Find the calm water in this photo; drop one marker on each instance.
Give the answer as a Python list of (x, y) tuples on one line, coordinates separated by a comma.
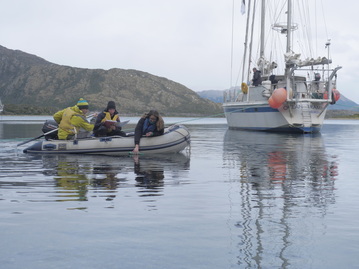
[(233, 200)]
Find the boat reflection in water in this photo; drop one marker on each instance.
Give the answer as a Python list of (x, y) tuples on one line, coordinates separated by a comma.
[(282, 185), (83, 177)]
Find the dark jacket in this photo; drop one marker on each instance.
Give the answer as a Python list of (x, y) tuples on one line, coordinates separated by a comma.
[(101, 129), (257, 80), (139, 127), (100, 119)]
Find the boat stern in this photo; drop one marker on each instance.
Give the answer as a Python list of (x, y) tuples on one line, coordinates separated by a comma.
[(37, 147)]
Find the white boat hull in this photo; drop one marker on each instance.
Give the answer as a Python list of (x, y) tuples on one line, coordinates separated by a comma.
[(306, 117), (175, 139)]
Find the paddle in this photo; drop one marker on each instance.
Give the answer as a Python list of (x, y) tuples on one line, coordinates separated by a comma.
[(25, 142), (22, 143)]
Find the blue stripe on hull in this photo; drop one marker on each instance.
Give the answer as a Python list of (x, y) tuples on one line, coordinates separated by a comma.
[(249, 109), (282, 129)]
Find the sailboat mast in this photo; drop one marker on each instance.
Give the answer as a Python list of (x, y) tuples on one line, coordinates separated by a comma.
[(289, 25), (251, 42), (246, 42), (289, 35), (261, 68)]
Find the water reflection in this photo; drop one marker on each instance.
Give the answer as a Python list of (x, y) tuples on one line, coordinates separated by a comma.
[(106, 177), (281, 178), (149, 177), (80, 177)]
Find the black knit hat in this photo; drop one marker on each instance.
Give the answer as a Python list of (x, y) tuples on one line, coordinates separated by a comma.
[(111, 104)]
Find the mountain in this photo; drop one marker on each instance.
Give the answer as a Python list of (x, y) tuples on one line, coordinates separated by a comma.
[(31, 85), (213, 95), (343, 104)]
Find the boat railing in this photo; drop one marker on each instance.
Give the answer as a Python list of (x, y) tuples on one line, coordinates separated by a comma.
[(231, 95), (302, 90), (311, 90), (317, 89)]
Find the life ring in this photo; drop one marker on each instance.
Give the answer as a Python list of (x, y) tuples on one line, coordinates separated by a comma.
[(244, 87)]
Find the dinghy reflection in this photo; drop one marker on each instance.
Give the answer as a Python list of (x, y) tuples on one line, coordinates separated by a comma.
[(277, 179), (75, 176), (80, 178)]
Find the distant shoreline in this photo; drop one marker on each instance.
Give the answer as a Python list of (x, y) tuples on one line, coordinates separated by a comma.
[(18, 119), (41, 118)]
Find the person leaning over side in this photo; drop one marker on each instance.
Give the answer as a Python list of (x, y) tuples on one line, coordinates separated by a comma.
[(109, 114), (150, 124), (72, 121)]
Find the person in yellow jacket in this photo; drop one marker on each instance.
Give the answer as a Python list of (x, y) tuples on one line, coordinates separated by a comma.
[(72, 121)]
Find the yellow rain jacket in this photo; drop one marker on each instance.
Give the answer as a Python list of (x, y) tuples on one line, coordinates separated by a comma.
[(70, 121)]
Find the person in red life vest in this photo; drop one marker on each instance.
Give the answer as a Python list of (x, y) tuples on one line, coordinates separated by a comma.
[(106, 122), (150, 124)]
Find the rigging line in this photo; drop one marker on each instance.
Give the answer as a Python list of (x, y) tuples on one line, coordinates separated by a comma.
[(325, 22), (251, 42), (309, 34), (304, 33), (232, 41), (304, 47), (279, 9), (215, 115), (194, 119), (268, 30), (316, 28)]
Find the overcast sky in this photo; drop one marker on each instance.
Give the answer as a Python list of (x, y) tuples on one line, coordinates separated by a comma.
[(187, 41)]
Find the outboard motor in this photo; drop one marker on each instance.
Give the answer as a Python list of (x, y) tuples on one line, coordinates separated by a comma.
[(50, 125)]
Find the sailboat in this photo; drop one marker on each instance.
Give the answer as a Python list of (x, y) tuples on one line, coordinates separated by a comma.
[(294, 100)]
